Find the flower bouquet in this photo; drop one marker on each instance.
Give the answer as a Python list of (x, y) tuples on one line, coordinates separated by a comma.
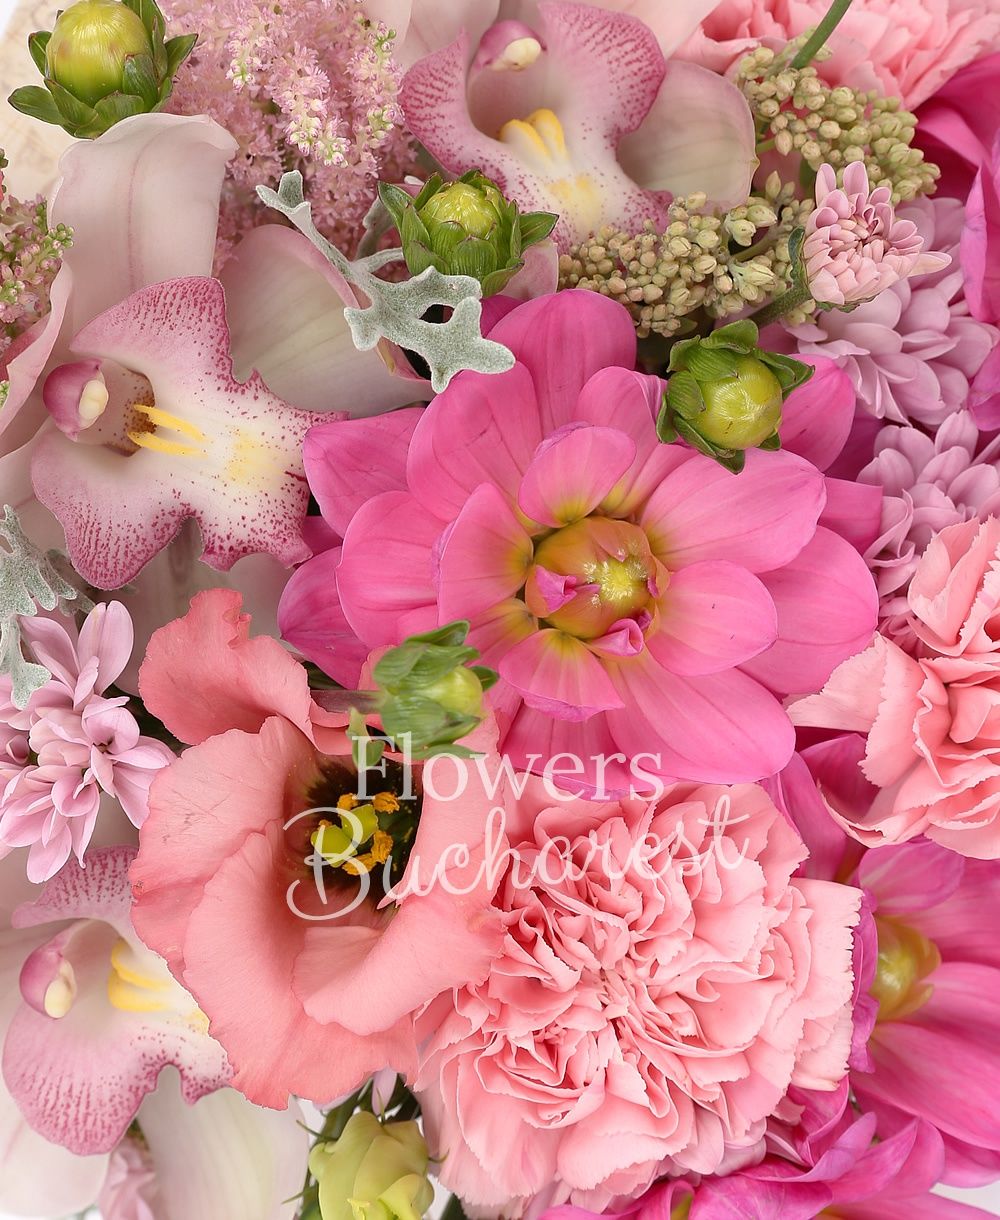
[(500, 611)]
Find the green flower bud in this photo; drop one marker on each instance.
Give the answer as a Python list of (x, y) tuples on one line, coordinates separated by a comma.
[(464, 228), (725, 394), (90, 44), (461, 692), (104, 61), (374, 1171), (741, 412)]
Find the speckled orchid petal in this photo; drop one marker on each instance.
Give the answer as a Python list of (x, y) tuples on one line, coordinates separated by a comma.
[(547, 127), (197, 444)]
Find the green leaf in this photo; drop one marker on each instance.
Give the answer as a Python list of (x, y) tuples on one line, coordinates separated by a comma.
[(37, 103), (800, 276), (665, 429), (178, 49), (419, 257), (474, 257), (70, 107), (684, 396), (790, 373), (395, 201), (536, 226), (430, 188), (413, 230), (711, 364), (487, 677), (139, 79), (117, 106), (772, 444), (37, 43), (737, 336)]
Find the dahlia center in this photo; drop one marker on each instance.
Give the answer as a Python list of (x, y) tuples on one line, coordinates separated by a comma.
[(905, 959), (592, 574)]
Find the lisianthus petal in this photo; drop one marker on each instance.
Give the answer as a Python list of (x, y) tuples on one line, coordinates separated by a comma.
[(223, 1156), (556, 673), (771, 511), (285, 304), (485, 557), (385, 568), (713, 615), (698, 136), (311, 619), (912, 877), (349, 461), (717, 728), (827, 610), (203, 674), (480, 430), (818, 416), (545, 334), (572, 471)]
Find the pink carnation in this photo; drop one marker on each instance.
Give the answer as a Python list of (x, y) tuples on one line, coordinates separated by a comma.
[(913, 351), (83, 745), (664, 981), (906, 49), (634, 596), (933, 748), (855, 245)]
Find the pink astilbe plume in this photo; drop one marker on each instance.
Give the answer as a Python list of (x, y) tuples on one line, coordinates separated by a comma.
[(310, 86)]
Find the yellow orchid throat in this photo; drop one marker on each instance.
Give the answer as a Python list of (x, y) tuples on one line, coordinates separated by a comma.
[(539, 141), (132, 988), (147, 434)]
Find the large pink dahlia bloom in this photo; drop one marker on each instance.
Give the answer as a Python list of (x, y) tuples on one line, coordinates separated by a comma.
[(663, 982), (635, 597)]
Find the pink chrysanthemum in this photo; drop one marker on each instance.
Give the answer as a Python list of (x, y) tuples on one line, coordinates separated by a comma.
[(664, 980), (72, 743), (855, 245), (912, 351)]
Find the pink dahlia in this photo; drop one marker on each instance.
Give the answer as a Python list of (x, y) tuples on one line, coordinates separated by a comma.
[(928, 484), (635, 597), (664, 980), (855, 246), (913, 351), (933, 721), (225, 886), (72, 745)]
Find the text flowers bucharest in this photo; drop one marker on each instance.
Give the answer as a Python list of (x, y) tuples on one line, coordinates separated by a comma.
[(500, 610)]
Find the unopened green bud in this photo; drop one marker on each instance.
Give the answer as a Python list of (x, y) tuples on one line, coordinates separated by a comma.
[(464, 228), (741, 412), (461, 691), (90, 44), (374, 1171)]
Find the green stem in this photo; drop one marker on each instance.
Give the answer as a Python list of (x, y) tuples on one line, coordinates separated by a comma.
[(453, 1209), (365, 701), (792, 299), (822, 32), (759, 247)]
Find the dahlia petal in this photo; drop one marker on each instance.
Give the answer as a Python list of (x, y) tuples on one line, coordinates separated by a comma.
[(711, 149), (771, 512), (349, 461), (572, 471), (480, 430), (485, 557), (817, 417), (713, 616), (285, 304), (854, 511), (912, 877), (385, 567), (827, 611), (229, 454), (715, 728), (557, 674), (311, 619), (203, 674)]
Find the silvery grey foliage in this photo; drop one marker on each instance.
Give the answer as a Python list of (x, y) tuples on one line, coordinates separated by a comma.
[(397, 310), (28, 580)]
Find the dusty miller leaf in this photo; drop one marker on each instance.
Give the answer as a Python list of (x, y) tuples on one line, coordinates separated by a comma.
[(397, 310), (28, 580)]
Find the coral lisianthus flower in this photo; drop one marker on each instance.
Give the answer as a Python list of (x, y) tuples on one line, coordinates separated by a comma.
[(634, 596), (224, 891), (663, 982)]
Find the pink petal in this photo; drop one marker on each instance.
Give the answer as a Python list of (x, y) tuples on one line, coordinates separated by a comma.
[(422, 27), (311, 618), (572, 471), (827, 611), (911, 878), (107, 636), (285, 304), (203, 674), (698, 136), (713, 616), (771, 510), (385, 569), (817, 417), (349, 461), (485, 557), (557, 674), (854, 511)]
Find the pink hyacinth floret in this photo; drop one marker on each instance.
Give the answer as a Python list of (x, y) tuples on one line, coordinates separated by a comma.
[(855, 246), (71, 745)]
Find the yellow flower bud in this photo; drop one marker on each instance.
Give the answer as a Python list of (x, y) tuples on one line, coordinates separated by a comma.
[(474, 208), (742, 411), (89, 46), (374, 1171)]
